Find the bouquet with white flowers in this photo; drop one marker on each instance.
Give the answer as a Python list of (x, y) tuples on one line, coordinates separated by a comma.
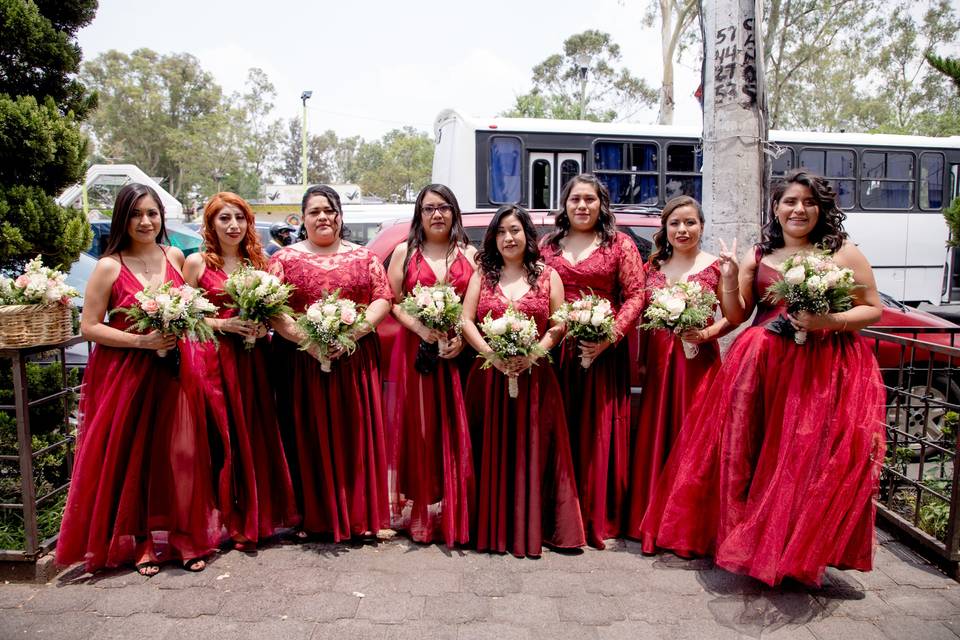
[(678, 307), (257, 295), (178, 311), (37, 285), (330, 322), (437, 307), (588, 318), (812, 282), (512, 334)]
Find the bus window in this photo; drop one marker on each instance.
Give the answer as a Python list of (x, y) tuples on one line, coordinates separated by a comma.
[(505, 164), (838, 166), (569, 169), (887, 180), (783, 162), (540, 198), (629, 170), (931, 181), (684, 162)]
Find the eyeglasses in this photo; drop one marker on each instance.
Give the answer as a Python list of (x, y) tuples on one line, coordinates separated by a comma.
[(442, 208)]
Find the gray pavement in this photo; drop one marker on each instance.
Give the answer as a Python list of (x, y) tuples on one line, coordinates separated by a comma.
[(399, 590)]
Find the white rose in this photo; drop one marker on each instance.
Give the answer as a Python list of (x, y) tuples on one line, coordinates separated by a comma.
[(438, 295), (329, 309), (597, 319), (814, 282), (423, 299), (674, 307), (795, 275), (498, 327), (583, 317), (314, 313), (832, 278)]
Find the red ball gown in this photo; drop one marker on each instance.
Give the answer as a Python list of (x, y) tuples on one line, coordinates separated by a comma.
[(669, 390), (778, 460), (336, 445), (527, 493), (597, 399), (255, 491), (142, 476), (431, 463)]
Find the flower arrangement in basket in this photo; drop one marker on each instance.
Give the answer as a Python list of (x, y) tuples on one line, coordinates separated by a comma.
[(589, 318), (678, 307), (512, 334), (35, 307), (257, 295), (437, 307), (812, 282), (172, 310), (331, 322)]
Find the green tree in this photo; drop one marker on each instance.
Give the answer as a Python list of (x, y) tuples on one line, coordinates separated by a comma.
[(262, 134), (397, 166), (321, 155), (675, 19), (605, 93), (949, 67)]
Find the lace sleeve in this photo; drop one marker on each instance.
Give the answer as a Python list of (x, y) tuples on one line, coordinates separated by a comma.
[(632, 279), (379, 283), (275, 266)]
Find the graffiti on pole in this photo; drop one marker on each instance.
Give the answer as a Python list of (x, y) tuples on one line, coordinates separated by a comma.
[(735, 65)]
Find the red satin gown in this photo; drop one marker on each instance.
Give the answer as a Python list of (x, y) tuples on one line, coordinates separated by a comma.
[(433, 486), (336, 446), (255, 491), (142, 476), (778, 460), (527, 493), (669, 389), (597, 399)]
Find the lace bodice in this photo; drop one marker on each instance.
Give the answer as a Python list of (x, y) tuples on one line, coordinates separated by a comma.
[(357, 273), (535, 302), (458, 273), (614, 272)]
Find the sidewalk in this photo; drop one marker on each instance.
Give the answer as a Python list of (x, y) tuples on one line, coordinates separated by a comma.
[(401, 590)]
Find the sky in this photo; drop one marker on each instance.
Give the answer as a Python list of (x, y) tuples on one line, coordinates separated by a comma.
[(378, 65)]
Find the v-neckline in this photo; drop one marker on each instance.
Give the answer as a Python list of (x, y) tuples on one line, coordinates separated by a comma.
[(436, 279), (145, 286), (583, 259), (514, 300), (688, 277)]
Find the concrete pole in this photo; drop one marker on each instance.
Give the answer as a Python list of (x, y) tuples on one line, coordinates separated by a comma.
[(734, 122)]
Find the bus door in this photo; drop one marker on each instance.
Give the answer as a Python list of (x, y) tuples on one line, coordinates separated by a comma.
[(953, 295), (549, 171)]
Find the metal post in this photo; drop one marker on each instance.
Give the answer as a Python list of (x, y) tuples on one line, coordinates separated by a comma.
[(28, 494), (304, 97)]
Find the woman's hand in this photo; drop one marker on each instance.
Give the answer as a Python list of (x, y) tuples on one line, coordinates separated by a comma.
[(427, 334), (729, 266), (695, 336), (592, 350), (245, 328), (518, 364), (453, 348), (812, 321), (157, 341), (498, 363)]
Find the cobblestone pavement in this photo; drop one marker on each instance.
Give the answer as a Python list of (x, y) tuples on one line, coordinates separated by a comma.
[(399, 590)]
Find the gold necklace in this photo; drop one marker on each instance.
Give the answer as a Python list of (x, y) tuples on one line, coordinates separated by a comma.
[(146, 268)]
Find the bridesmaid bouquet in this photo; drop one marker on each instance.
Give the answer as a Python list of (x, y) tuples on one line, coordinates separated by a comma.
[(257, 295), (811, 282), (678, 307), (512, 334), (438, 307), (331, 322), (178, 311), (37, 285), (588, 318)]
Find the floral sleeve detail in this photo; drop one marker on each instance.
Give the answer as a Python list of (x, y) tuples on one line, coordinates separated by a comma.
[(275, 266), (632, 280), (379, 284)]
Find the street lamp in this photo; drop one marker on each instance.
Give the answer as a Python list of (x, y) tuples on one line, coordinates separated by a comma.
[(582, 61), (304, 97)]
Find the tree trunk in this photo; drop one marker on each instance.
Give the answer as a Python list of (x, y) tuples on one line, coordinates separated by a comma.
[(666, 52)]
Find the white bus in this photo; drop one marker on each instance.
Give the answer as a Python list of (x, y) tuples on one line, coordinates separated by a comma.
[(893, 188)]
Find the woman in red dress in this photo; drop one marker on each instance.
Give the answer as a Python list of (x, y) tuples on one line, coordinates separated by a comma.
[(591, 256), (337, 430), (671, 378), (779, 457), (527, 493), (142, 474), (431, 461), (255, 492)]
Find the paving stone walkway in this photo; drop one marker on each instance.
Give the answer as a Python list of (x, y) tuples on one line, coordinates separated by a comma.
[(399, 590)]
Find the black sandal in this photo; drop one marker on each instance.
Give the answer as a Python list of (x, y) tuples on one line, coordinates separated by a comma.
[(192, 564), (147, 569)]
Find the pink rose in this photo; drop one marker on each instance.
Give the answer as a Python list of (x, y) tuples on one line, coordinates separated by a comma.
[(150, 306), (347, 316), (22, 281)]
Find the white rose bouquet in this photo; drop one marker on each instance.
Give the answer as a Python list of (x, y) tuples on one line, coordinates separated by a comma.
[(512, 334), (812, 282), (588, 318), (331, 322), (257, 295), (437, 307), (37, 285), (178, 311), (678, 307)]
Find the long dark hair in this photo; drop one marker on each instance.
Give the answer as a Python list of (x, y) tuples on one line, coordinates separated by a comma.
[(417, 235), (127, 199), (489, 259), (827, 234), (332, 197), (662, 249), (606, 226)]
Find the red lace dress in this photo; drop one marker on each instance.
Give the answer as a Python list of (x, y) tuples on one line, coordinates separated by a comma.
[(142, 475), (669, 390), (256, 495), (779, 457), (597, 399), (432, 463), (527, 493), (336, 443)]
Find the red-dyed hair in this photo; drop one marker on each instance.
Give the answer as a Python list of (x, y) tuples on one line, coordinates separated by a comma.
[(250, 249)]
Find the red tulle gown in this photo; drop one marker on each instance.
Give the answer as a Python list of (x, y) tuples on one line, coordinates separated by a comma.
[(527, 493), (142, 477), (255, 491), (669, 390), (336, 449), (597, 399), (778, 460), (432, 465)]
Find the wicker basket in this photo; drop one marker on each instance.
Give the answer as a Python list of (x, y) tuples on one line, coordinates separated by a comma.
[(26, 325)]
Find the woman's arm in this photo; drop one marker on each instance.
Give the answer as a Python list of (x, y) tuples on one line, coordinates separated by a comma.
[(470, 330), (554, 334), (395, 275)]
